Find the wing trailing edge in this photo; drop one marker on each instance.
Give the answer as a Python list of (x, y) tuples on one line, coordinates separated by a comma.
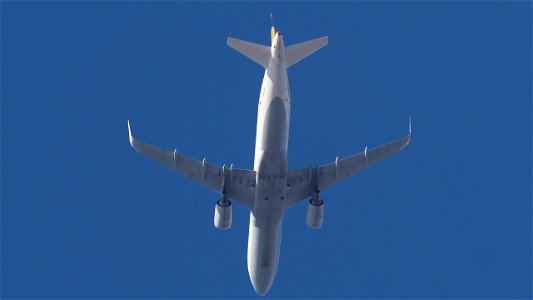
[(303, 182), (238, 184)]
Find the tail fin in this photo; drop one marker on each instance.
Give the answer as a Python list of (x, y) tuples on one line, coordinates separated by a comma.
[(272, 27), (258, 53), (299, 51)]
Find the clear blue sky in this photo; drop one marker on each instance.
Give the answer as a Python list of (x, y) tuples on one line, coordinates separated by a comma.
[(84, 215)]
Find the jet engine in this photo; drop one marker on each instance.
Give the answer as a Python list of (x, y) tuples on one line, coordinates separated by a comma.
[(315, 212), (222, 219)]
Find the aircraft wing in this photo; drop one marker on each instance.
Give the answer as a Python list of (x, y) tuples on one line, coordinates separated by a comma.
[(238, 184), (303, 182)]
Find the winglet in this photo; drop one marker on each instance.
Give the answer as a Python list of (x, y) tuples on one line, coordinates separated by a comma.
[(408, 137), (133, 142), (129, 133)]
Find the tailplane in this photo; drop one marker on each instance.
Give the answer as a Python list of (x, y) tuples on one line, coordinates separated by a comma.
[(299, 51), (256, 52), (261, 54)]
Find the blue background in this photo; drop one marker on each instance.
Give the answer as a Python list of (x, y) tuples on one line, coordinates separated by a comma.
[(84, 215)]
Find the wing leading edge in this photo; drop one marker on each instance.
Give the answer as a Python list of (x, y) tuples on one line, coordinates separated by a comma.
[(237, 184), (303, 182)]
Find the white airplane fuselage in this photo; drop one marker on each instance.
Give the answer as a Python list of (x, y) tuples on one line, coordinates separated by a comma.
[(270, 164)]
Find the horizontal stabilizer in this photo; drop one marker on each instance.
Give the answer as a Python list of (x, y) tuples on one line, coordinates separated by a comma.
[(256, 52), (299, 51)]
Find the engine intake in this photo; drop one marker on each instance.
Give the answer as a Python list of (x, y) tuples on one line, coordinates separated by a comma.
[(315, 212), (222, 219)]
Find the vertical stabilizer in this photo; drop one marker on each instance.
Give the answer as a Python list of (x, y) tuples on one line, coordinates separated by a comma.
[(272, 28)]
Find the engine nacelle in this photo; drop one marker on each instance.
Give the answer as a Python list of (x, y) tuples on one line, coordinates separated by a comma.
[(223, 215), (315, 214)]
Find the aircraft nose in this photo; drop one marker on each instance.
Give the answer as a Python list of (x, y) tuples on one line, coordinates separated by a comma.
[(262, 279), (261, 287)]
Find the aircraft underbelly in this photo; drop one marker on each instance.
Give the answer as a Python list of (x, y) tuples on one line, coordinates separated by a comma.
[(266, 215), (275, 127), (264, 242)]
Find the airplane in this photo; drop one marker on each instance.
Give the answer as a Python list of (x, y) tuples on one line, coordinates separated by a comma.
[(270, 188)]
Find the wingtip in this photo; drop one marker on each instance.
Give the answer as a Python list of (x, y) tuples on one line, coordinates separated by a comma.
[(229, 41), (129, 134), (409, 135)]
